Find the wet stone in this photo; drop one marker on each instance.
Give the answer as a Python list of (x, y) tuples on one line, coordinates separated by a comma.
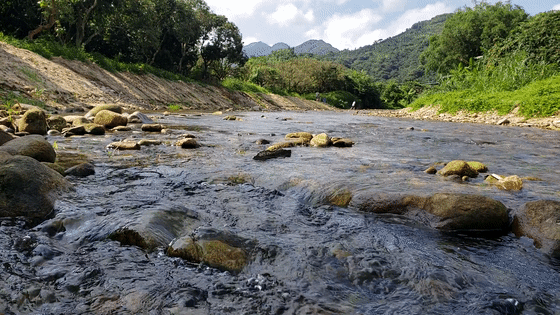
[(124, 145), (272, 154), (187, 143)]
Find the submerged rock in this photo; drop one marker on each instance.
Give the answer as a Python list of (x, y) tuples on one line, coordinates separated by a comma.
[(94, 129), (272, 154), (81, 170), (510, 183), (443, 211), (458, 167), (124, 145), (152, 127), (342, 142), (287, 144), (34, 146), (540, 220), (187, 143), (28, 188)]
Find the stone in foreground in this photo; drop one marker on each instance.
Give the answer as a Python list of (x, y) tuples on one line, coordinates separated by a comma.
[(540, 220)]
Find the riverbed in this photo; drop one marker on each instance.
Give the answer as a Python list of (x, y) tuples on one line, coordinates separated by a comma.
[(307, 256)]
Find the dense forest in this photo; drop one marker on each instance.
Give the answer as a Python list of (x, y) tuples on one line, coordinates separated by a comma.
[(181, 36), (395, 58)]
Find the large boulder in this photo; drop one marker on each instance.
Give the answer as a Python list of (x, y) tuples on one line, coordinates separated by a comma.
[(28, 188), (540, 220), (110, 107), (34, 121), (460, 168), (443, 211), (467, 212), (5, 137), (110, 119), (34, 146)]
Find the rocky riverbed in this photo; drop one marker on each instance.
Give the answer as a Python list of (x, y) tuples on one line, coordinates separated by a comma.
[(165, 213)]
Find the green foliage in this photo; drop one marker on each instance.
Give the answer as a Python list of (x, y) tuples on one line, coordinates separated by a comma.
[(235, 84), (396, 57), (8, 99), (339, 99), (469, 33), (174, 107), (540, 98)]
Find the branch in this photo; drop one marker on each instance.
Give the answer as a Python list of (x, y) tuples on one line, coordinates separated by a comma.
[(51, 23)]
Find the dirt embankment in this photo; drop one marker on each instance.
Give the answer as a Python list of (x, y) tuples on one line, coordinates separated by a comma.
[(73, 85)]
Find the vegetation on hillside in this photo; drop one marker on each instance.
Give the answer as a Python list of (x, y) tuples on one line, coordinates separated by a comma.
[(518, 70), (180, 36), (395, 58)]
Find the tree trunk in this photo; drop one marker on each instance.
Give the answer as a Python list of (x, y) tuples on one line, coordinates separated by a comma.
[(52, 20), (81, 25)]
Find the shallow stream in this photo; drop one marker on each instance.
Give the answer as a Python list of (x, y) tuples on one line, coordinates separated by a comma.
[(307, 256)]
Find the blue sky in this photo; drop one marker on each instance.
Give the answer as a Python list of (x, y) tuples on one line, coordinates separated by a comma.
[(345, 24)]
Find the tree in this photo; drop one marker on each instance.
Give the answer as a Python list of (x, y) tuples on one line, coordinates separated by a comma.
[(469, 33), (19, 17)]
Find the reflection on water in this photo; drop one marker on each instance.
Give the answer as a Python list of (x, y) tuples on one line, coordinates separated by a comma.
[(307, 257)]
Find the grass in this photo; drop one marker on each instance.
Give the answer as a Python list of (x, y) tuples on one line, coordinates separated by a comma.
[(49, 48), (235, 84), (481, 87), (8, 99), (174, 107)]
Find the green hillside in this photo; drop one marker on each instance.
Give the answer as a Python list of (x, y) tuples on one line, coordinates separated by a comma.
[(396, 57)]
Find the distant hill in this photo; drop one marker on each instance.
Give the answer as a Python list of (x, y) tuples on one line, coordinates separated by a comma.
[(396, 57), (314, 47)]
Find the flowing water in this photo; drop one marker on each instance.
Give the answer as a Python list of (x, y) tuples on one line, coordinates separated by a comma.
[(307, 256)]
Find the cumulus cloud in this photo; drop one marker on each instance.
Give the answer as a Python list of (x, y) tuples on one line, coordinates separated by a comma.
[(344, 31), (556, 7), (289, 14), (393, 5), (233, 9)]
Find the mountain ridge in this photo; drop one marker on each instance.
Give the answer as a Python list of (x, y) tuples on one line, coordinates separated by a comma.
[(313, 46)]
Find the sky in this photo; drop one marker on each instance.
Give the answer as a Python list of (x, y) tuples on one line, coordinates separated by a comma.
[(345, 24)]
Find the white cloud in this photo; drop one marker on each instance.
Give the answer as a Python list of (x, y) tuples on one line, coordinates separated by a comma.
[(416, 15), (232, 9), (394, 5), (289, 14), (346, 31), (556, 7)]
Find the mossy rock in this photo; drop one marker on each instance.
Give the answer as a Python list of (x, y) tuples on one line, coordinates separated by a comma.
[(110, 107), (460, 168), (94, 129), (287, 144), (321, 140), (56, 122), (300, 135), (110, 119), (34, 121), (214, 253), (477, 166), (510, 183), (340, 198)]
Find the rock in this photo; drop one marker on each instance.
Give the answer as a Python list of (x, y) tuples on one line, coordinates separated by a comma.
[(503, 121), (443, 211), (145, 142), (342, 142), (220, 250), (477, 166), (109, 107), (458, 167), (262, 141), (272, 154), (138, 117), (218, 113), (5, 137), (81, 170), (321, 140), (121, 128), (109, 119), (33, 146), (56, 122), (152, 127), (186, 136), (467, 212), (510, 183), (80, 121), (124, 145), (28, 188), (300, 135), (6, 129), (431, 170), (70, 118), (94, 129), (287, 144), (187, 143), (57, 168), (74, 131), (540, 220), (230, 117), (8, 122), (156, 227), (34, 122)]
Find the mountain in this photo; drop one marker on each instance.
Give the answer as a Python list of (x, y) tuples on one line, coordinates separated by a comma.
[(314, 47), (257, 49), (397, 57)]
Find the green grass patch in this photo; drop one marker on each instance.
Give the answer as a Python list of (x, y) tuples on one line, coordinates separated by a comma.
[(8, 99), (235, 84), (540, 98), (174, 107)]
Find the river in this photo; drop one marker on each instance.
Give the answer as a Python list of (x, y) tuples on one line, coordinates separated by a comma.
[(307, 256)]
